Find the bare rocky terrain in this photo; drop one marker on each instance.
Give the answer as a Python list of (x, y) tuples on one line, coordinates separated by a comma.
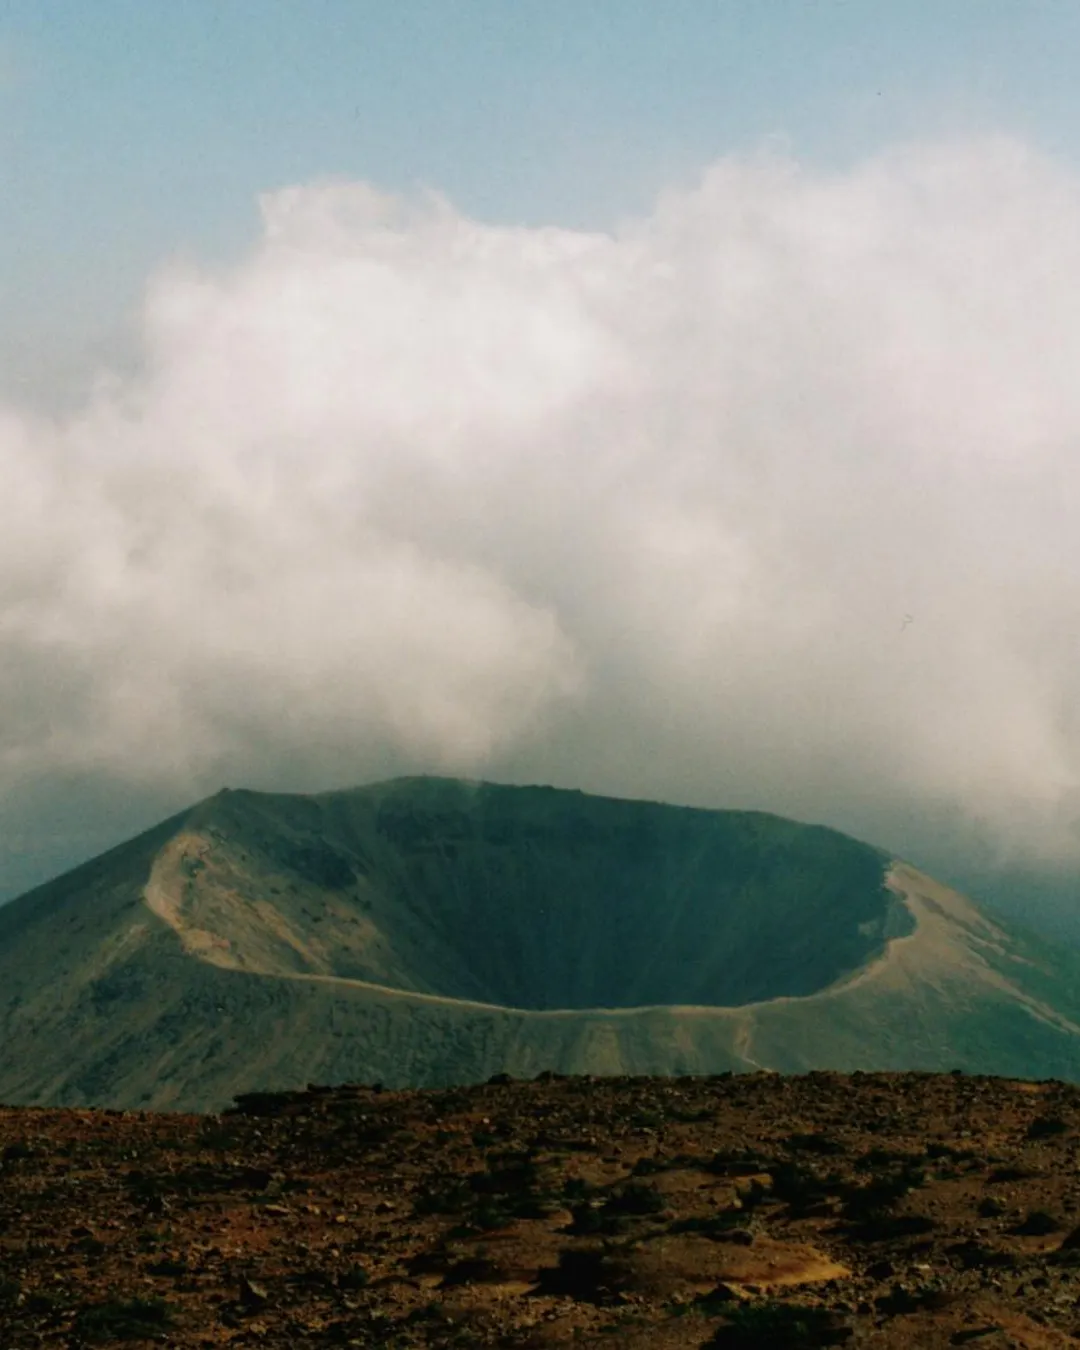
[(755, 1210)]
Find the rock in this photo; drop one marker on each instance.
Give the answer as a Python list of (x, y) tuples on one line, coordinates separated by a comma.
[(253, 1296)]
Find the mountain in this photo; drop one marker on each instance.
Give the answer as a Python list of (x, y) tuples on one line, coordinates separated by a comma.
[(433, 931)]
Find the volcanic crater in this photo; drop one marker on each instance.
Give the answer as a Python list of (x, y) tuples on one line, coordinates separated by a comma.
[(427, 931), (533, 898)]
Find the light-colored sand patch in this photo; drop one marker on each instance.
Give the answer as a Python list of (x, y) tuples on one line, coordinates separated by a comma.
[(700, 1263), (165, 895), (952, 932), (188, 890)]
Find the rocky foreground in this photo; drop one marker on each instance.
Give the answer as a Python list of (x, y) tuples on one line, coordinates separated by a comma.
[(746, 1211)]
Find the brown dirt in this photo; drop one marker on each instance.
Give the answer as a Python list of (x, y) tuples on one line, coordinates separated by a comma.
[(876, 1210)]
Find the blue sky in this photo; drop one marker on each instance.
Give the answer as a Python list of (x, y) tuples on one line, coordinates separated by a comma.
[(131, 130)]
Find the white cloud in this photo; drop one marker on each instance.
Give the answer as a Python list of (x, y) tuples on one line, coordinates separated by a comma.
[(644, 511)]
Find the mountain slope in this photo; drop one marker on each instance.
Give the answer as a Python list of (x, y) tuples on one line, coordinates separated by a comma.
[(431, 931)]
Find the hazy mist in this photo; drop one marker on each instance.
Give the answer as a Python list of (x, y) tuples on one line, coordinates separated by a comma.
[(768, 499)]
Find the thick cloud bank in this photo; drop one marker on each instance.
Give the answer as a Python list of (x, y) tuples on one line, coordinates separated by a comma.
[(772, 498)]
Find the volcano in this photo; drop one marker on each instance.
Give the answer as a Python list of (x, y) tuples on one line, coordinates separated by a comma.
[(428, 932)]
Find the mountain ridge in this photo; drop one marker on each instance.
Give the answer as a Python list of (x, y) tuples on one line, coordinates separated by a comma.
[(259, 940)]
